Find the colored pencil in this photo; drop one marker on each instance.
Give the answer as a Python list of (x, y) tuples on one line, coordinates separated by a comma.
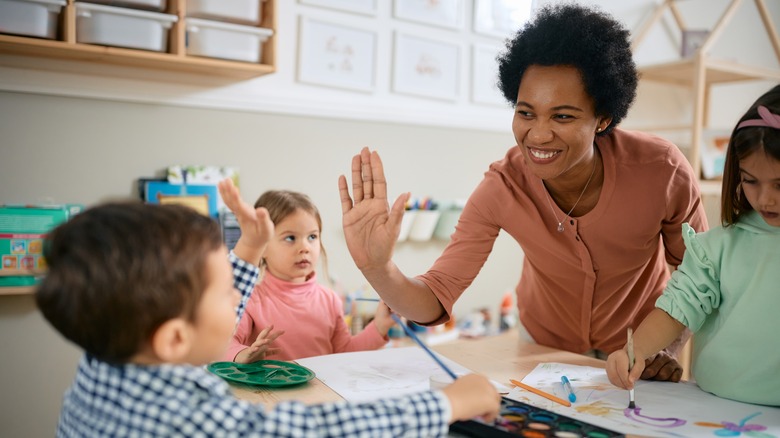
[(419, 341), (540, 392), (375, 300)]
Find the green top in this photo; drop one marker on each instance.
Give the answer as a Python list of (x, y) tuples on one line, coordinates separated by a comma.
[(727, 291)]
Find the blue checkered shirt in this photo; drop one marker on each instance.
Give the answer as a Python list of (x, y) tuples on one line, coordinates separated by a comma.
[(168, 400)]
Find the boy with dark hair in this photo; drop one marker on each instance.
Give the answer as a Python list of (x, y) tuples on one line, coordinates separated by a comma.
[(147, 292)]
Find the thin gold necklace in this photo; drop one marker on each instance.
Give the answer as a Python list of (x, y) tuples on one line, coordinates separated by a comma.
[(549, 201)]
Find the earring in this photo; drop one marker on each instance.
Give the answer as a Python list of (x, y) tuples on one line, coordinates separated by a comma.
[(598, 129)]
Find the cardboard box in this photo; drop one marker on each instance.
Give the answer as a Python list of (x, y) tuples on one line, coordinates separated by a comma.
[(22, 230)]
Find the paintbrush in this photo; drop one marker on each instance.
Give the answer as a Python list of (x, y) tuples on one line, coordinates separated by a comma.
[(422, 345), (630, 348)]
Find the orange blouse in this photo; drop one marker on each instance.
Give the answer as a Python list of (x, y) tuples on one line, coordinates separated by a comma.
[(581, 288)]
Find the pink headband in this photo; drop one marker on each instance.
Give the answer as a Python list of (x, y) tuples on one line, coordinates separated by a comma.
[(767, 119)]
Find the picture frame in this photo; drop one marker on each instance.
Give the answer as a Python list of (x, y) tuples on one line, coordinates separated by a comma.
[(442, 13), (501, 18), (484, 75), (714, 143), (335, 55), (365, 7), (425, 67), (692, 40)]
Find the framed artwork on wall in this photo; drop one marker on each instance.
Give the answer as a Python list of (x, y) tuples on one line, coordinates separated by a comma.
[(425, 67), (501, 18), (367, 7), (334, 55), (484, 75), (444, 13)]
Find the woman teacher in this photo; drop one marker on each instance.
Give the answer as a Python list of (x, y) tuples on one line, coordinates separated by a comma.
[(597, 210)]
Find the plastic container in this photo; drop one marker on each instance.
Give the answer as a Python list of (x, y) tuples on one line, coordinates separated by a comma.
[(215, 39), (37, 18), (152, 5), (122, 27), (238, 11), (423, 225)]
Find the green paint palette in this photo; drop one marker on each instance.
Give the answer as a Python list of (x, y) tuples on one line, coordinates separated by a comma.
[(273, 373)]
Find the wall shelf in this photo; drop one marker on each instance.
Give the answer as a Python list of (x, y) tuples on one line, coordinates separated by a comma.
[(700, 72), (174, 59), (19, 290)]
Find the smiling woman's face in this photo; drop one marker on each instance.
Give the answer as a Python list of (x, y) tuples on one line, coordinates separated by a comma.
[(555, 123)]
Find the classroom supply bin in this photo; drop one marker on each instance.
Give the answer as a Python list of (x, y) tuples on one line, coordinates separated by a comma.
[(239, 11), (215, 39), (122, 27), (37, 18), (152, 5)]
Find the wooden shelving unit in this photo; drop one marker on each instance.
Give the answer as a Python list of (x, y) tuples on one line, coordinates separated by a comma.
[(701, 72), (175, 59), (18, 290)]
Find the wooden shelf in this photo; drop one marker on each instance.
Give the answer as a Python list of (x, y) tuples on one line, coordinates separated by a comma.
[(18, 290), (175, 59), (716, 71), (700, 72)]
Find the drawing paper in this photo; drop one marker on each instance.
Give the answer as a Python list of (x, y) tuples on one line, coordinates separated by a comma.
[(385, 373), (664, 409)]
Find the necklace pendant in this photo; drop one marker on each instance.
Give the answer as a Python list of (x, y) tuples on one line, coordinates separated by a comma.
[(560, 227)]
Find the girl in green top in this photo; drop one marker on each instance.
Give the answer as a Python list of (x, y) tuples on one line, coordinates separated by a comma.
[(726, 289)]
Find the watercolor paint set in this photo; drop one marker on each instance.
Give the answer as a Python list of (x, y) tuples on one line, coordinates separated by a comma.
[(518, 419)]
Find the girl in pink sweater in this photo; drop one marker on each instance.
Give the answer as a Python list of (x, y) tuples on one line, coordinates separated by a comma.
[(289, 300)]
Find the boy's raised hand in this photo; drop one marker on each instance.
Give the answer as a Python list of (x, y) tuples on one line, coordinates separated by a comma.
[(371, 228), (473, 396), (255, 223)]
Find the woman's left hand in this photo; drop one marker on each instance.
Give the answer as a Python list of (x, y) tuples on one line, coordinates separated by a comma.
[(663, 366)]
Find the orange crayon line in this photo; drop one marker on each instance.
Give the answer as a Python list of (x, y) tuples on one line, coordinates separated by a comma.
[(540, 392)]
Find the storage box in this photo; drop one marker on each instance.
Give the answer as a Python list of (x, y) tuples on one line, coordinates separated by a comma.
[(122, 27), (152, 5), (22, 229), (38, 18), (215, 39), (239, 11)]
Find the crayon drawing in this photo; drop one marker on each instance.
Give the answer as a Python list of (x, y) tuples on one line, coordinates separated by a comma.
[(663, 409)]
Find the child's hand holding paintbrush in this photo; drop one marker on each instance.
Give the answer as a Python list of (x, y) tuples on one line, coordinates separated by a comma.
[(624, 368)]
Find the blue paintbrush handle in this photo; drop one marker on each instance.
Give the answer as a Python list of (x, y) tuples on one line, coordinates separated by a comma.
[(419, 341)]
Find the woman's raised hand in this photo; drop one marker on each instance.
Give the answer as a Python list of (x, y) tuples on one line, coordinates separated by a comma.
[(371, 227)]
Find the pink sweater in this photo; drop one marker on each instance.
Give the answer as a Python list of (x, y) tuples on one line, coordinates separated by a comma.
[(311, 316), (581, 288)]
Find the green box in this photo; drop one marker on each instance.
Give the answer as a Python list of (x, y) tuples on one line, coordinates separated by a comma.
[(22, 230)]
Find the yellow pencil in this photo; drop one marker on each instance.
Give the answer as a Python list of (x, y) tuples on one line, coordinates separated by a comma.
[(542, 393)]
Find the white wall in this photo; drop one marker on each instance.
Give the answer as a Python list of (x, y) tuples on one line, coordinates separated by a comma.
[(71, 137)]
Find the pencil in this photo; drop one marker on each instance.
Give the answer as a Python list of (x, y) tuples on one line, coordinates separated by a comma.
[(419, 341), (375, 300), (540, 392)]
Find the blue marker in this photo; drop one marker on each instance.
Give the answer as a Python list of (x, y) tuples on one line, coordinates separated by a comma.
[(567, 386)]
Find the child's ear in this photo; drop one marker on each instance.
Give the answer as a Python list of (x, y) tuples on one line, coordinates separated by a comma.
[(172, 342)]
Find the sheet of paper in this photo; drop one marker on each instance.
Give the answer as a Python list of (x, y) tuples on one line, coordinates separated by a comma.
[(663, 409), (386, 373)]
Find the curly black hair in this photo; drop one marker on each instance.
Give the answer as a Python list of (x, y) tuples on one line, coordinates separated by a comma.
[(578, 36)]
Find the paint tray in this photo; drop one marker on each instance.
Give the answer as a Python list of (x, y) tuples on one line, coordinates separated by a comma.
[(518, 419), (262, 373)]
